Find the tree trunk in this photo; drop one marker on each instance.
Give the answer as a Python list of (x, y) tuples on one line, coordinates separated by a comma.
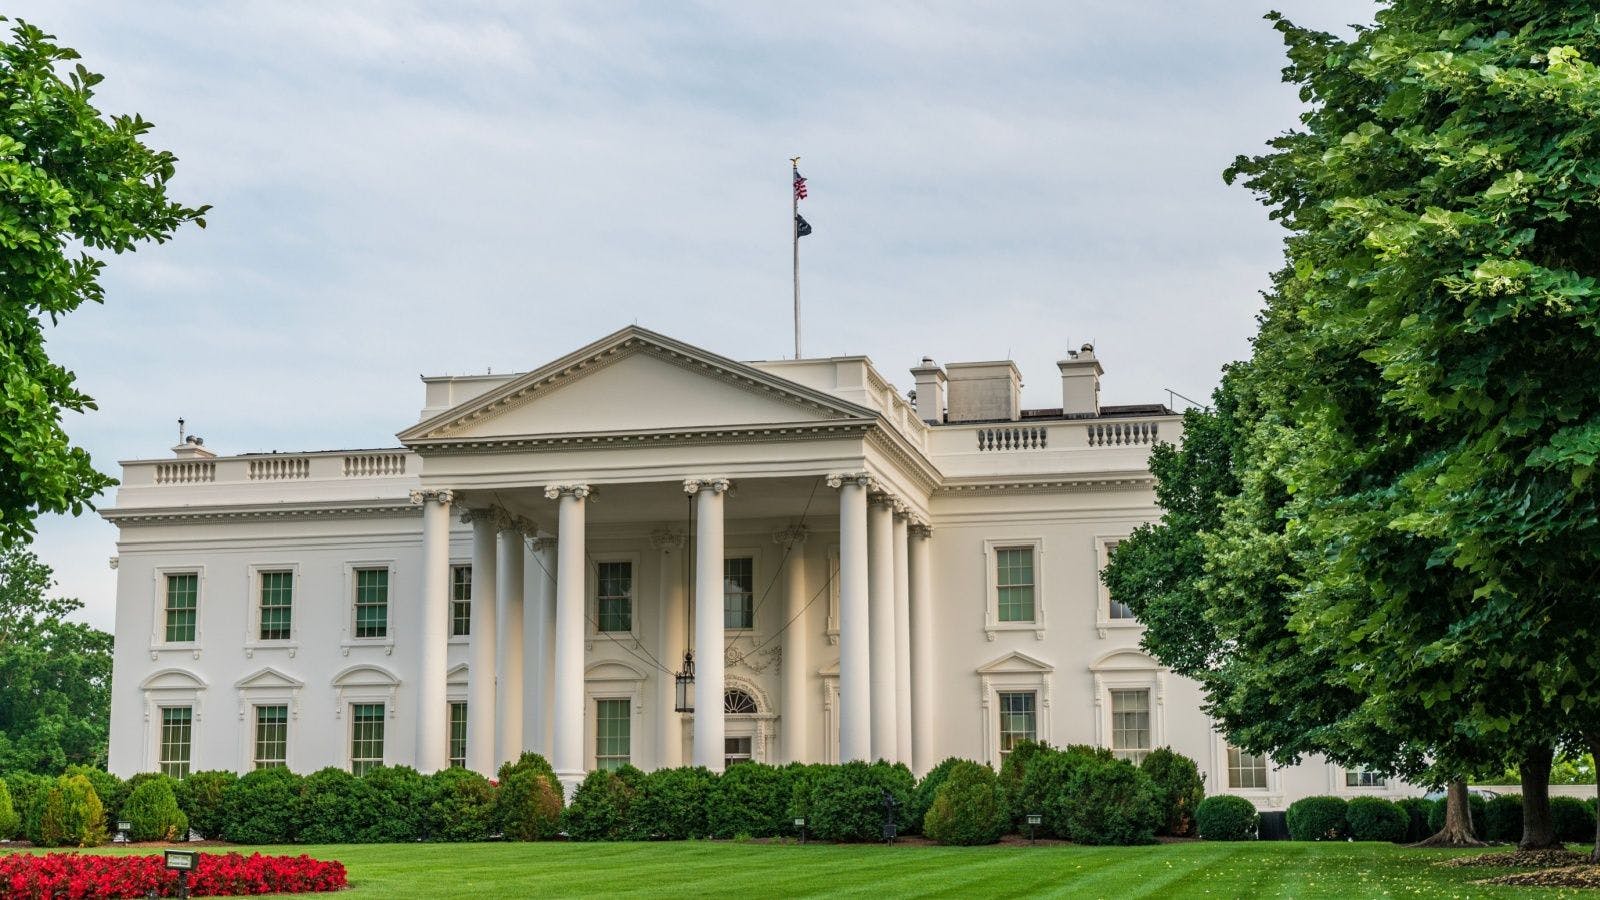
[(1593, 739), (1538, 826), (1457, 831)]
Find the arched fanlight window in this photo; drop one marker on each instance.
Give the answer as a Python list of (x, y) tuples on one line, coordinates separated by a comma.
[(736, 702)]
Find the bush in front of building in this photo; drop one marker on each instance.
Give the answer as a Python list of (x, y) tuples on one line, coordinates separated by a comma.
[(335, 808), (751, 800), (1013, 774), (1179, 789), (461, 806), (400, 796), (529, 762), (262, 807), (1502, 818), (928, 788), (1225, 817), (122, 792), (1318, 819), (25, 789), (1573, 820), (10, 822), (68, 814), (847, 801), (969, 807), (107, 787), (601, 805), (1376, 819), (1110, 801), (1044, 784), (671, 804), (527, 808), (1475, 803), (152, 813), (1416, 810), (200, 797)]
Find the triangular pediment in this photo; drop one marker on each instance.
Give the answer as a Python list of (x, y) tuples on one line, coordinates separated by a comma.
[(634, 381), (1015, 664), (268, 679)]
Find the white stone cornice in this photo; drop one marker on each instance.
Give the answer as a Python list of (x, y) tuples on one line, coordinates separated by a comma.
[(275, 511), (667, 538), (715, 485), (442, 496), (556, 491), (792, 536)]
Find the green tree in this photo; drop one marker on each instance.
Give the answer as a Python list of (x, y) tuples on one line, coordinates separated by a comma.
[(56, 707), (75, 185)]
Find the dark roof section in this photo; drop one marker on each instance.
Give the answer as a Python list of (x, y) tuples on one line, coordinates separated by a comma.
[(1134, 410)]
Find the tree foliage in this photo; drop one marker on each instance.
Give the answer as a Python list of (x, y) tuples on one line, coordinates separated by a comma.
[(75, 185)]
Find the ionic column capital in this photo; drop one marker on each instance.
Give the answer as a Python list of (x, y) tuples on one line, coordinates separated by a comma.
[(859, 479), (919, 529), (791, 536), (883, 499), (715, 485), (557, 491), (442, 496), (667, 539)]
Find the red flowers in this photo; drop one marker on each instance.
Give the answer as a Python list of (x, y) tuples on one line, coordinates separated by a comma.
[(79, 876)]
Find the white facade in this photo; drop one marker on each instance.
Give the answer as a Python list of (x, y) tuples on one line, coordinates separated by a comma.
[(871, 585)]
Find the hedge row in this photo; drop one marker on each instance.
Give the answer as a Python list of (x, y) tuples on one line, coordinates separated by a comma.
[(1414, 819)]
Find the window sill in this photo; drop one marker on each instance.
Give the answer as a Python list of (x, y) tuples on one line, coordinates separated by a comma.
[(993, 628), (387, 643), (290, 644), (190, 647), (461, 639), (1105, 626)]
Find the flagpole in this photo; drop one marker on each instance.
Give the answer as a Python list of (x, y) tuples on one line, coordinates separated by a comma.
[(795, 225)]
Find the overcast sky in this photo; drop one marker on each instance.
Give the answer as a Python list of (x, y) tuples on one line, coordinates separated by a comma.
[(406, 187)]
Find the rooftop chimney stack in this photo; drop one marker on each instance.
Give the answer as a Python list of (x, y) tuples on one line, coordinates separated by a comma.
[(985, 392), (930, 390), (193, 447), (1080, 383)]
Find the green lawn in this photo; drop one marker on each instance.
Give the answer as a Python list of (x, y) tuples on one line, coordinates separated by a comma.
[(699, 869)]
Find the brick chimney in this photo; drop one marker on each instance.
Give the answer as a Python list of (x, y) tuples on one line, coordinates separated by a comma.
[(1080, 383)]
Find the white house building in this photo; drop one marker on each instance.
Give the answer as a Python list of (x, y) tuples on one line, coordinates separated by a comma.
[(858, 577)]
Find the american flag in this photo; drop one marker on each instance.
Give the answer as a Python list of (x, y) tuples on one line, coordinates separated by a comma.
[(799, 185)]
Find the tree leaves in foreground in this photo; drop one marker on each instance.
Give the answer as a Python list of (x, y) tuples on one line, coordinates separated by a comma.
[(55, 708), (75, 185)]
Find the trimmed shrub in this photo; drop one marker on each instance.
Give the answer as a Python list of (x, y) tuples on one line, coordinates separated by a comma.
[(1110, 802), (461, 807), (527, 807), (1573, 820), (124, 790), (847, 800), (1318, 819), (1013, 774), (969, 807), (200, 797), (1475, 803), (10, 822), (1179, 789), (152, 813), (26, 791), (928, 788), (400, 796), (1416, 810), (1375, 819), (1502, 819), (600, 806), (335, 808), (751, 799), (1044, 785), (672, 804), (529, 762), (1224, 817), (69, 815), (107, 787), (262, 807)]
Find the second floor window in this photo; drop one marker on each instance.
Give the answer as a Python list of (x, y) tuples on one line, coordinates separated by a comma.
[(738, 592), (372, 603), (1118, 611), (277, 603), (1014, 583), (460, 601), (614, 596), (183, 606)]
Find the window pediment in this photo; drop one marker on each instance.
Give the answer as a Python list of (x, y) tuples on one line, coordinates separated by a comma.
[(1015, 663), (365, 675), (1125, 661), (173, 680), (268, 679)]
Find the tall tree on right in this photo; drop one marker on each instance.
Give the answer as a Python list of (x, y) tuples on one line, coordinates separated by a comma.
[(1443, 201)]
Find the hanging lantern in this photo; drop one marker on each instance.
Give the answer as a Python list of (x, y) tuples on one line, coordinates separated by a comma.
[(686, 683)]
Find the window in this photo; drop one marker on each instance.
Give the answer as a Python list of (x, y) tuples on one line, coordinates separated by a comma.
[(1019, 719), (460, 601), (1117, 611), (1362, 778), (458, 734), (1014, 581), (277, 600), (735, 750), (272, 737), (183, 604), (366, 737), (614, 596), (738, 592), (1130, 725), (739, 703), (613, 733), (372, 603), (177, 732), (1246, 770)]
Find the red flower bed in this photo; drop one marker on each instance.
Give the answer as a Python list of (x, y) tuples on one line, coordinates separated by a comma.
[(92, 877)]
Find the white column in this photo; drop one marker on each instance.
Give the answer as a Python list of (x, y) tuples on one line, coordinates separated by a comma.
[(880, 605), (674, 640), (480, 671), (921, 571), (433, 748), (855, 694), (795, 667), (708, 603), (508, 664), (567, 723), (536, 662), (902, 641)]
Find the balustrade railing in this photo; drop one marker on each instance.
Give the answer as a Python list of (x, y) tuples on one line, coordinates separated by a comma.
[(280, 468), (1122, 434), (189, 471), (373, 465), (1012, 437)]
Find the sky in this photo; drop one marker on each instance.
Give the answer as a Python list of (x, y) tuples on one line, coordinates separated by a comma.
[(405, 188)]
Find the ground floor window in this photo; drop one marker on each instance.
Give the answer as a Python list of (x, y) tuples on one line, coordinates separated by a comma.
[(736, 750), (1363, 778), (1246, 770), (458, 734), (272, 737), (177, 733), (613, 733), (1130, 724), (1019, 719), (366, 737)]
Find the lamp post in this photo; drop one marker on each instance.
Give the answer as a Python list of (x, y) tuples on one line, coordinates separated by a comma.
[(890, 831), (183, 862), (800, 826), (1033, 822), (685, 683)]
